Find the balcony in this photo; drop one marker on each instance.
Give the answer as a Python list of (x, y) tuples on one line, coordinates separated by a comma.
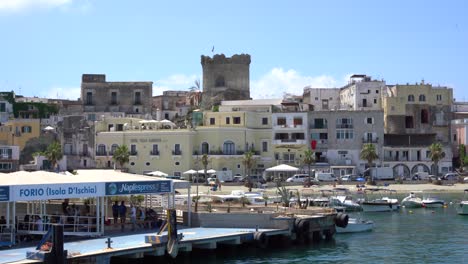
[(101, 153), (176, 152), (370, 140), (350, 126), (133, 153), (319, 126), (154, 153), (289, 141), (440, 123), (6, 157)]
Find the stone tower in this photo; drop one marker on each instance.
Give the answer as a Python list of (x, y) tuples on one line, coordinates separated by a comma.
[(225, 78)]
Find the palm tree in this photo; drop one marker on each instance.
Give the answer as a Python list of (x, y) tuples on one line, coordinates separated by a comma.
[(205, 160), (248, 161), (309, 159), (121, 155), (54, 153), (369, 153), (436, 154)]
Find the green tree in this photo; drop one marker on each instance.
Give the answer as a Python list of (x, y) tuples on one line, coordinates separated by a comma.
[(205, 160), (248, 161), (436, 154), (369, 154), (462, 156), (121, 155), (53, 153), (309, 159)]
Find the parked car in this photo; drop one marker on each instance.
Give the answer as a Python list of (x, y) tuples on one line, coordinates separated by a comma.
[(254, 179), (349, 177), (465, 179), (238, 178), (451, 176), (421, 176), (298, 178)]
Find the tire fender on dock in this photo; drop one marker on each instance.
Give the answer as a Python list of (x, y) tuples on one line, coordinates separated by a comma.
[(341, 220), (261, 239)]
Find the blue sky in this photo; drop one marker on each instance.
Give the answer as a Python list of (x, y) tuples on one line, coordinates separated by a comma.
[(48, 44)]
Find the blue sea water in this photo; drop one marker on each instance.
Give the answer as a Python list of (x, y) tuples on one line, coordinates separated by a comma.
[(409, 236)]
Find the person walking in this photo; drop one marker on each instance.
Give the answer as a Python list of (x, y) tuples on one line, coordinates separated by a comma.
[(123, 214), (115, 211)]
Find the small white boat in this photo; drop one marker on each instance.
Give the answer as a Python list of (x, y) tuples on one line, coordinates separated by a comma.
[(356, 225), (432, 202), (383, 204), (345, 201), (412, 201), (462, 207)]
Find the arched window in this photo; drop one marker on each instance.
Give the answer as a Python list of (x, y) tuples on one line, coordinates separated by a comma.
[(424, 116), (422, 98), (220, 81), (229, 148), (205, 148), (101, 150), (113, 148), (410, 98)]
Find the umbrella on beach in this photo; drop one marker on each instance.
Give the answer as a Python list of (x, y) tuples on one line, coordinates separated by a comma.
[(210, 171), (190, 172), (157, 173)]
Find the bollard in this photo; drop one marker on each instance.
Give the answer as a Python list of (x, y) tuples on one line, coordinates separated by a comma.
[(109, 242)]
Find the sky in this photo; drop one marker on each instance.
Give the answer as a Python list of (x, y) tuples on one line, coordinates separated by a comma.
[(46, 45)]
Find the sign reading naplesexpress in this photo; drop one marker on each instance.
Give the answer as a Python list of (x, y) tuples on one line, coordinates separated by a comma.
[(57, 191), (136, 187)]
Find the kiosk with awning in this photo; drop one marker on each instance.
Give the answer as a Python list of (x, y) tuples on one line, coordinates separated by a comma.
[(29, 193)]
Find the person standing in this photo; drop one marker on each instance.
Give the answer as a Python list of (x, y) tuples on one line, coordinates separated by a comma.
[(123, 214), (133, 216), (115, 211)]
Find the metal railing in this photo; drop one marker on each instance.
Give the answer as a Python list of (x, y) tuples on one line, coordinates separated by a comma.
[(101, 153), (370, 140), (177, 152)]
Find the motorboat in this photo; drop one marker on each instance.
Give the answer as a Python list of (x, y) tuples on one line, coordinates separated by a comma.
[(412, 201), (432, 202), (344, 200), (356, 225), (382, 204), (462, 207)]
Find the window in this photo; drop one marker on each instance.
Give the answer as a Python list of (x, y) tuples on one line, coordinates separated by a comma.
[(264, 146), (454, 137), (101, 151), (320, 123), (439, 97), (410, 98), (281, 121), (228, 120), (177, 150), (422, 98), (409, 122), (26, 129), (229, 148), (344, 123), (114, 148), (376, 91), (212, 121), (205, 148), (288, 157), (424, 116), (369, 120), (5, 166), (67, 149), (133, 150), (316, 98), (89, 98), (220, 81), (137, 98), (265, 121), (297, 121), (155, 150), (344, 134), (236, 120), (2, 107), (324, 104), (375, 100), (91, 117), (114, 98)]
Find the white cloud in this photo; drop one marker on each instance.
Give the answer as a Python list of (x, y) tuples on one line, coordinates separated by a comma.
[(174, 82), (19, 5), (71, 93), (278, 81)]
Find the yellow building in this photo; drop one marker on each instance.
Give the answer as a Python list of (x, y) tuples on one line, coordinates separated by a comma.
[(224, 136), (17, 132)]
